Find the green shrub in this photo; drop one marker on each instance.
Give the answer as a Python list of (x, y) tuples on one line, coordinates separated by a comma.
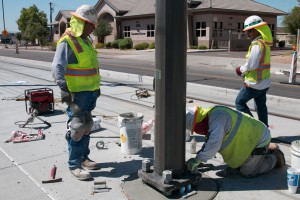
[(194, 47), (152, 45), (141, 46), (125, 43), (108, 45), (99, 46), (115, 44), (281, 43), (203, 47)]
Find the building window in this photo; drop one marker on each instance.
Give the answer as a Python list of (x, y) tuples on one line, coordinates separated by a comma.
[(200, 29), (218, 30), (126, 31), (150, 30), (240, 27), (272, 27)]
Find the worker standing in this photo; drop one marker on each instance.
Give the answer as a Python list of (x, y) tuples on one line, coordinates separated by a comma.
[(256, 70), (76, 71), (243, 141)]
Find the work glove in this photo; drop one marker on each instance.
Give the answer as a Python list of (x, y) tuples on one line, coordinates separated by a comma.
[(65, 96), (238, 71), (192, 164)]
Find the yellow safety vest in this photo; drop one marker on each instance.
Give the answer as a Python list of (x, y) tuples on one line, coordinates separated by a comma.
[(262, 72), (84, 75), (238, 144)]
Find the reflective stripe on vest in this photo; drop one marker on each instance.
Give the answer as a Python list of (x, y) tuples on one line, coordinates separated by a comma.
[(75, 42), (233, 132), (263, 70), (240, 141), (81, 72), (83, 75), (262, 66)]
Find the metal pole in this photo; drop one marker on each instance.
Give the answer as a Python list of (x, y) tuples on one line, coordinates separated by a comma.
[(229, 41), (4, 23), (3, 15), (51, 10), (170, 87), (298, 44)]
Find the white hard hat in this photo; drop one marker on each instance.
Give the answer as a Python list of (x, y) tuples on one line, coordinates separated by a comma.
[(253, 22), (191, 118), (86, 13)]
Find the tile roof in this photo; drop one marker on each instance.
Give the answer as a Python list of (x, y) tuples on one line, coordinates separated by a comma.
[(64, 13), (241, 5), (146, 7)]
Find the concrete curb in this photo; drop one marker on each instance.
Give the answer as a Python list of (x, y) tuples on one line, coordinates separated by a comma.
[(279, 106)]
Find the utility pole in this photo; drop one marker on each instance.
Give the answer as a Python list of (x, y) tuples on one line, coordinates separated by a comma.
[(4, 32), (3, 15), (169, 172), (51, 11)]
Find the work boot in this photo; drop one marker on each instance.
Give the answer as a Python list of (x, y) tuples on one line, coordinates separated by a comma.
[(81, 174), (89, 164), (280, 158)]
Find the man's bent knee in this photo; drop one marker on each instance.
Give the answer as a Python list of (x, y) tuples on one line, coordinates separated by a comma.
[(88, 127), (77, 129)]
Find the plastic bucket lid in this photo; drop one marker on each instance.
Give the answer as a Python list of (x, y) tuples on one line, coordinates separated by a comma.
[(295, 145), (130, 117)]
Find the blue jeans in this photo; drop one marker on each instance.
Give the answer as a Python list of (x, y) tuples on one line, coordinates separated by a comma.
[(260, 99), (69, 113), (79, 150)]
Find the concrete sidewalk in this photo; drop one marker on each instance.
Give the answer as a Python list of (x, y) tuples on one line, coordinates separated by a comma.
[(24, 166)]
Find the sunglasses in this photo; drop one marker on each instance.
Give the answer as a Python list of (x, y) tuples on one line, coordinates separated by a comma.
[(249, 31)]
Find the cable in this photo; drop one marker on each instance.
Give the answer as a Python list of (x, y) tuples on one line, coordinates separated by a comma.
[(142, 93)]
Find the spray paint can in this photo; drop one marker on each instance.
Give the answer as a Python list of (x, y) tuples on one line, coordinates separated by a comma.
[(53, 172), (193, 146)]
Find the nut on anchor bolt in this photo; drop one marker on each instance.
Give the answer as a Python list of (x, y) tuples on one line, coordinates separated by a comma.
[(167, 176), (146, 165)]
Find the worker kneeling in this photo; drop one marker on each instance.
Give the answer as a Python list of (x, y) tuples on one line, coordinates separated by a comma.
[(243, 141)]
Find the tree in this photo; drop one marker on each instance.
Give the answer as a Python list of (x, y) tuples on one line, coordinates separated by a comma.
[(291, 22), (33, 24), (19, 36), (102, 30)]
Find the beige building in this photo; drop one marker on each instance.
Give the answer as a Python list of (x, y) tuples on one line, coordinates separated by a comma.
[(213, 23)]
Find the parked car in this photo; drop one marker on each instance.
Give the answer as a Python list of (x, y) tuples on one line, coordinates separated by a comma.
[(6, 41)]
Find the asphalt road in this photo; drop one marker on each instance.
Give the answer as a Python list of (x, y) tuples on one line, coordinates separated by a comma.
[(202, 74)]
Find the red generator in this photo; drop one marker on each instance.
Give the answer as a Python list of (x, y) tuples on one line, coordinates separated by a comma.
[(39, 101)]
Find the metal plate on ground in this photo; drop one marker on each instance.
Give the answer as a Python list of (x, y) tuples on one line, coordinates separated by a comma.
[(135, 189)]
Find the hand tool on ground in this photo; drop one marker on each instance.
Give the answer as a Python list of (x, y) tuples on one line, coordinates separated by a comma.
[(20, 136), (52, 176), (99, 186)]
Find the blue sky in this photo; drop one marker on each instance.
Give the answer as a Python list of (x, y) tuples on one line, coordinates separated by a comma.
[(12, 8)]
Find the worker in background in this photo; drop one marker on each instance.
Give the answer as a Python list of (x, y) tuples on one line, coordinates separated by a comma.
[(256, 71), (243, 141), (75, 70)]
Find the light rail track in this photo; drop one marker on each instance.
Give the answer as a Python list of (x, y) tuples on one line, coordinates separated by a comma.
[(129, 101)]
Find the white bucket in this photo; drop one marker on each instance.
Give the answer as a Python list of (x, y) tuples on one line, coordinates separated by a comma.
[(295, 151), (96, 124), (130, 125)]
